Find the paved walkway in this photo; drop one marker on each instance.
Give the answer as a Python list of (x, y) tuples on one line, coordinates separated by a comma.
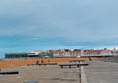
[(43, 74), (101, 72)]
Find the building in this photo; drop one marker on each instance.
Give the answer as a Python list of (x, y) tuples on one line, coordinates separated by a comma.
[(16, 55), (57, 53), (43, 55), (62, 53), (23, 55), (34, 53), (66, 54)]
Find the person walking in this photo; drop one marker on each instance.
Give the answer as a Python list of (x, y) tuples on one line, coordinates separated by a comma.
[(38, 62), (89, 58), (42, 61), (48, 61)]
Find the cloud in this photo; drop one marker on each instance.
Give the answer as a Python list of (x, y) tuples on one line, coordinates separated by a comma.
[(68, 20)]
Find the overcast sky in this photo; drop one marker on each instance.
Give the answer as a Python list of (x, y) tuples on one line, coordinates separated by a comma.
[(28, 25)]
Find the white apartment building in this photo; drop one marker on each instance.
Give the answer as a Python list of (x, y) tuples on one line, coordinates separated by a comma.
[(56, 54), (66, 54), (34, 53)]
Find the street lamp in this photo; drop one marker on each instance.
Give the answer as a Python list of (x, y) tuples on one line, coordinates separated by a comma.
[(114, 49)]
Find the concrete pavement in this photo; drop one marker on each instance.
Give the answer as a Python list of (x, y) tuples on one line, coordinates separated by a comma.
[(42, 74), (101, 72)]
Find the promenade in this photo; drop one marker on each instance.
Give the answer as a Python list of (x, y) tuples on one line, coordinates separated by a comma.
[(101, 72), (42, 74)]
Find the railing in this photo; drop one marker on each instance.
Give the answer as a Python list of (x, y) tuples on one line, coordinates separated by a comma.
[(13, 59)]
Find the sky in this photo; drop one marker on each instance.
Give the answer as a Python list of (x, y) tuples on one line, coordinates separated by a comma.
[(30, 25)]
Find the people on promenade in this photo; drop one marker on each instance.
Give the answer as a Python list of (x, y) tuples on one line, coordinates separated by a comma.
[(38, 62), (42, 61), (48, 61), (89, 58)]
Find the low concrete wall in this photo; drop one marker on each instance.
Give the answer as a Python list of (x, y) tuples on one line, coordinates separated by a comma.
[(83, 75)]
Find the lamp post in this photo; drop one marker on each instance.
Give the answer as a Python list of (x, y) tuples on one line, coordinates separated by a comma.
[(114, 49)]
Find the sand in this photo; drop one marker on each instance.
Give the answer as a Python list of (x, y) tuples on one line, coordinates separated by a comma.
[(7, 64)]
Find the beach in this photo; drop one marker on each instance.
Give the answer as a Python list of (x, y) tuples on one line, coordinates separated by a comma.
[(7, 64)]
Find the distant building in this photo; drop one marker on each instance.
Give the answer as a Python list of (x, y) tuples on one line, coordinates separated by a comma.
[(62, 53), (56, 53), (16, 55), (43, 55), (82, 52), (66, 54), (33, 53)]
